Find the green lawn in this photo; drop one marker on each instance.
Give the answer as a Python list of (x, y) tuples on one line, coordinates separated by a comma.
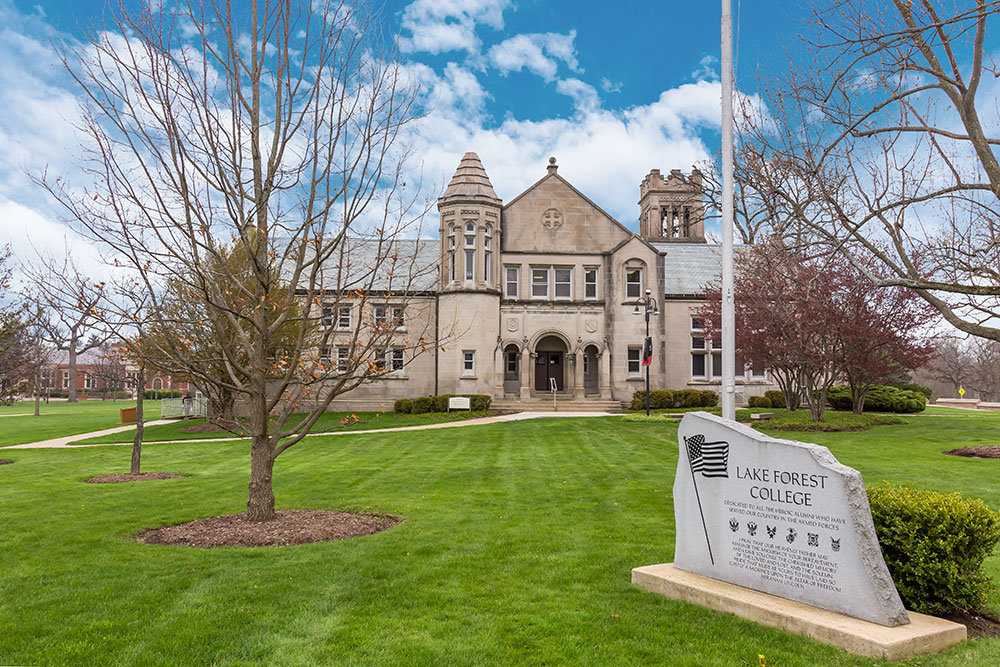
[(60, 418), (329, 421), (516, 548)]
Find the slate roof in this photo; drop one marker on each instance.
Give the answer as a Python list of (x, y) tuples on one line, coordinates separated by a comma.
[(366, 264), (470, 183), (687, 267)]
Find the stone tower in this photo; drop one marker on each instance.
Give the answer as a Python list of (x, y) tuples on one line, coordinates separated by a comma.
[(671, 208), (469, 279)]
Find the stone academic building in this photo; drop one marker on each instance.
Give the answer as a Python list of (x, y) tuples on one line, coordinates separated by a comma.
[(540, 293)]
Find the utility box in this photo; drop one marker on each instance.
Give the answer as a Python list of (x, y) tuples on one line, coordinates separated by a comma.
[(127, 415)]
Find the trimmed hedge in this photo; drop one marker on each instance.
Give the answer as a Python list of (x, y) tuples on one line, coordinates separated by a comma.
[(416, 406), (667, 399), (759, 402), (934, 546), (880, 398), (776, 397)]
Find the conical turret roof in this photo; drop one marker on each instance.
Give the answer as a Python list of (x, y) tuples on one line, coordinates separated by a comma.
[(470, 183)]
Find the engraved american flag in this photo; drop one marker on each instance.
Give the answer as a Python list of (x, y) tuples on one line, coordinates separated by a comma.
[(711, 459)]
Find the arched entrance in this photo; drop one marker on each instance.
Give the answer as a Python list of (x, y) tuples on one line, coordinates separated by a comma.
[(591, 371), (550, 364), (511, 370)]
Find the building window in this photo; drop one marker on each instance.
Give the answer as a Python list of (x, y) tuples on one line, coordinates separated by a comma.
[(758, 372), (157, 384), (563, 283), (470, 228), (451, 242), (451, 265), (513, 273), (486, 266), (470, 241), (381, 316), (468, 362), (697, 343), (396, 363), (697, 323), (88, 381), (590, 282), (343, 359), (325, 354), (633, 282), (512, 362), (698, 365), (344, 317), (378, 357), (65, 380), (487, 236), (716, 364), (634, 360), (539, 283), (398, 317), (586, 364), (327, 318), (470, 265)]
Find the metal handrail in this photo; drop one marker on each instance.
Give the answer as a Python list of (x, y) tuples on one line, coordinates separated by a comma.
[(554, 388)]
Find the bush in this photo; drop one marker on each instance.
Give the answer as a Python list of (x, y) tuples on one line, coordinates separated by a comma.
[(880, 398), (776, 397), (423, 404), (669, 399), (759, 402), (481, 402), (403, 406), (934, 545), (918, 388)]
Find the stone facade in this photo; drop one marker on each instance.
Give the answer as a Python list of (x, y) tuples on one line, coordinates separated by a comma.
[(541, 292)]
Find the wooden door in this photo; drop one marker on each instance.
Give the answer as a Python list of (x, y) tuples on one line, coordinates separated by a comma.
[(548, 365)]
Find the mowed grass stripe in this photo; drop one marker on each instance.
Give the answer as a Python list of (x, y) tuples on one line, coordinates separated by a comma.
[(497, 562)]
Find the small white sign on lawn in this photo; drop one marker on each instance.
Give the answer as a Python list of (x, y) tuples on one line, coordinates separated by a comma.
[(459, 403)]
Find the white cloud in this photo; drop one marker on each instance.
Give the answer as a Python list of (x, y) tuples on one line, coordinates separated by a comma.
[(609, 86), (539, 53), (438, 26), (584, 95), (706, 69)]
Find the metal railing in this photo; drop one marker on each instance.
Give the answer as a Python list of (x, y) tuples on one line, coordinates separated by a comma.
[(172, 408), (554, 388)]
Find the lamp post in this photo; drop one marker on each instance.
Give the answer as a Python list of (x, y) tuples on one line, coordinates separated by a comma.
[(648, 305)]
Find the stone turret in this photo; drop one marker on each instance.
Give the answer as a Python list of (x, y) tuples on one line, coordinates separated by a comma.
[(671, 208), (470, 229)]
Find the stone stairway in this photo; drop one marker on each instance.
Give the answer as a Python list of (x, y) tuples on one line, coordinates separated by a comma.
[(562, 404)]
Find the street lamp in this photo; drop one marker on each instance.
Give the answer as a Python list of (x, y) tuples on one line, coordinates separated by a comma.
[(648, 304)]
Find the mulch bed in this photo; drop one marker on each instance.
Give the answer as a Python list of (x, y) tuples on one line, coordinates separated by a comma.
[(290, 527), (979, 626), (126, 477), (979, 452)]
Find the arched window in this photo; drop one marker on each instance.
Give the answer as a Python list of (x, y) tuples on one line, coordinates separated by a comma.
[(157, 384)]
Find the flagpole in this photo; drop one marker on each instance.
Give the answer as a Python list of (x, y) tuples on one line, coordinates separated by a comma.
[(698, 498), (728, 305)]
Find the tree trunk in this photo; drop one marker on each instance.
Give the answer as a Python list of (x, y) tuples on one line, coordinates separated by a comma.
[(260, 499), (72, 366), (137, 440), (38, 390), (858, 394)]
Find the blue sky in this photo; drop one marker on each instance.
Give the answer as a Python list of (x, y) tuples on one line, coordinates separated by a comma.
[(611, 89)]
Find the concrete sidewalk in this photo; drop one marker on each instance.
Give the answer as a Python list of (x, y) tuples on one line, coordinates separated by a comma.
[(63, 443), (59, 443)]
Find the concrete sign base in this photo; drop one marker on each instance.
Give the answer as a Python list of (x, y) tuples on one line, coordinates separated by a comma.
[(922, 635)]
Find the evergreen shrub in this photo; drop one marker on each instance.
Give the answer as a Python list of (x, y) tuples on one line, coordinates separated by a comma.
[(403, 406), (759, 402), (934, 546), (669, 399), (423, 404), (880, 398), (776, 397)]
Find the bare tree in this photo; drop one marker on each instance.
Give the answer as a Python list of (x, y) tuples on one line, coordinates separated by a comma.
[(892, 133), (270, 134), (69, 303)]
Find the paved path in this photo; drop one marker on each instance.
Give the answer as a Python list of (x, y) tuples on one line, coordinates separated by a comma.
[(63, 443), (23, 414), (58, 443)]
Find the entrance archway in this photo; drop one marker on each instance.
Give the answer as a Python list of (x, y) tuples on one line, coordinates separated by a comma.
[(550, 364)]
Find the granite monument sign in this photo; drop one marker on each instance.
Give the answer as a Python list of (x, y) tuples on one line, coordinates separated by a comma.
[(781, 517)]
